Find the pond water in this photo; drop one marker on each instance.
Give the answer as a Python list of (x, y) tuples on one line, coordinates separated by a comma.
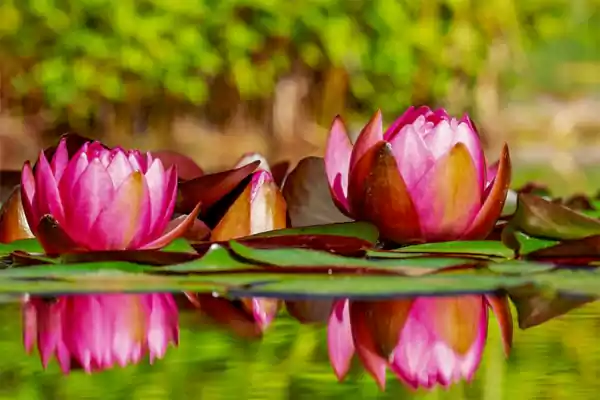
[(557, 360)]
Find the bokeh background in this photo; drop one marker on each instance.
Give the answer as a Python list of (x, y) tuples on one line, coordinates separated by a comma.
[(217, 78)]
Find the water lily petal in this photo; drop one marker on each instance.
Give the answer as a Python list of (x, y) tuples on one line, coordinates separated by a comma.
[(171, 194), (412, 155), (486, 218), (77, 166), (501, 309), (28, 195), (466, 133), (409, 117), (337, 163), (491, 172), (13, 220), (440, 139), (378, 194), (129, 210), (155, 179), (83, 203), (60, 160), (118, 168), (47, 197), (340, 344), (449, 196), (369, 136), (174, 232)]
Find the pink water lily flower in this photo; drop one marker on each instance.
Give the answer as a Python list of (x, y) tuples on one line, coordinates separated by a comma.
[(426, 341), (96, 332), (101, 199), (424, 179)]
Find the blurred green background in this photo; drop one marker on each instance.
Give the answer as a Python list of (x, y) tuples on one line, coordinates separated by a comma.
[(269, 75)]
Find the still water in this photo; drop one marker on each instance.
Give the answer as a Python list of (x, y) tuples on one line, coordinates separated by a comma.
[(557, 360)]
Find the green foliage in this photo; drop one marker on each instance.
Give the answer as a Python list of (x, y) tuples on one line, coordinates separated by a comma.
[(80, 52)]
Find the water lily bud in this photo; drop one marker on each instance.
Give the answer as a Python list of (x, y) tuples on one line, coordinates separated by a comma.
[(101, 199), (259, 208), (96, 332), (424, 179)]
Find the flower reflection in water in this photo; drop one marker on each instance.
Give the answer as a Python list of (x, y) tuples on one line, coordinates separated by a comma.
[(95, 332), (425, 341)]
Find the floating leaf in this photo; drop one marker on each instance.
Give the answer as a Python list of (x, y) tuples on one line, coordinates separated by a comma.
[(25, 245), (217, 258), (482, 247), (346, 245), (363, 230), (541, 218), (318, 260), (378, 287)]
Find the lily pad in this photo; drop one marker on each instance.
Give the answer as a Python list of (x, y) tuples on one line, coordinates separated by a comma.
[(489, 248)]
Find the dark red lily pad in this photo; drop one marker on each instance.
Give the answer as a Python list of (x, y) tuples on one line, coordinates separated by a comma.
[(344, 245), (308, 197), (148, 257), (210, 189), (542, 218)]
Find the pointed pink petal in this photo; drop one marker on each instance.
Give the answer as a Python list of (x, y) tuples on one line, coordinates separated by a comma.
[(77, 166), (448, 197), (170, 196), (156, 181), (337, 162), (369, 136), (467, 134), (409, 117), (47, 197), (28, 196), (440, 139), (175, 232), (412, 156), (124, 222), (89, 195), (339, 338), (119, 169), (490, 174), (60, 160)]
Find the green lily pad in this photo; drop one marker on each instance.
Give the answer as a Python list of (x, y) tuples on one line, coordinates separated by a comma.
[(26, 245), (378, 287), (292, 257), (361, 230), (489, 248)]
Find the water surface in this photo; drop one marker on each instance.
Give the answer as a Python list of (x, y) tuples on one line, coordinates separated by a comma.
[(558, 360)]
